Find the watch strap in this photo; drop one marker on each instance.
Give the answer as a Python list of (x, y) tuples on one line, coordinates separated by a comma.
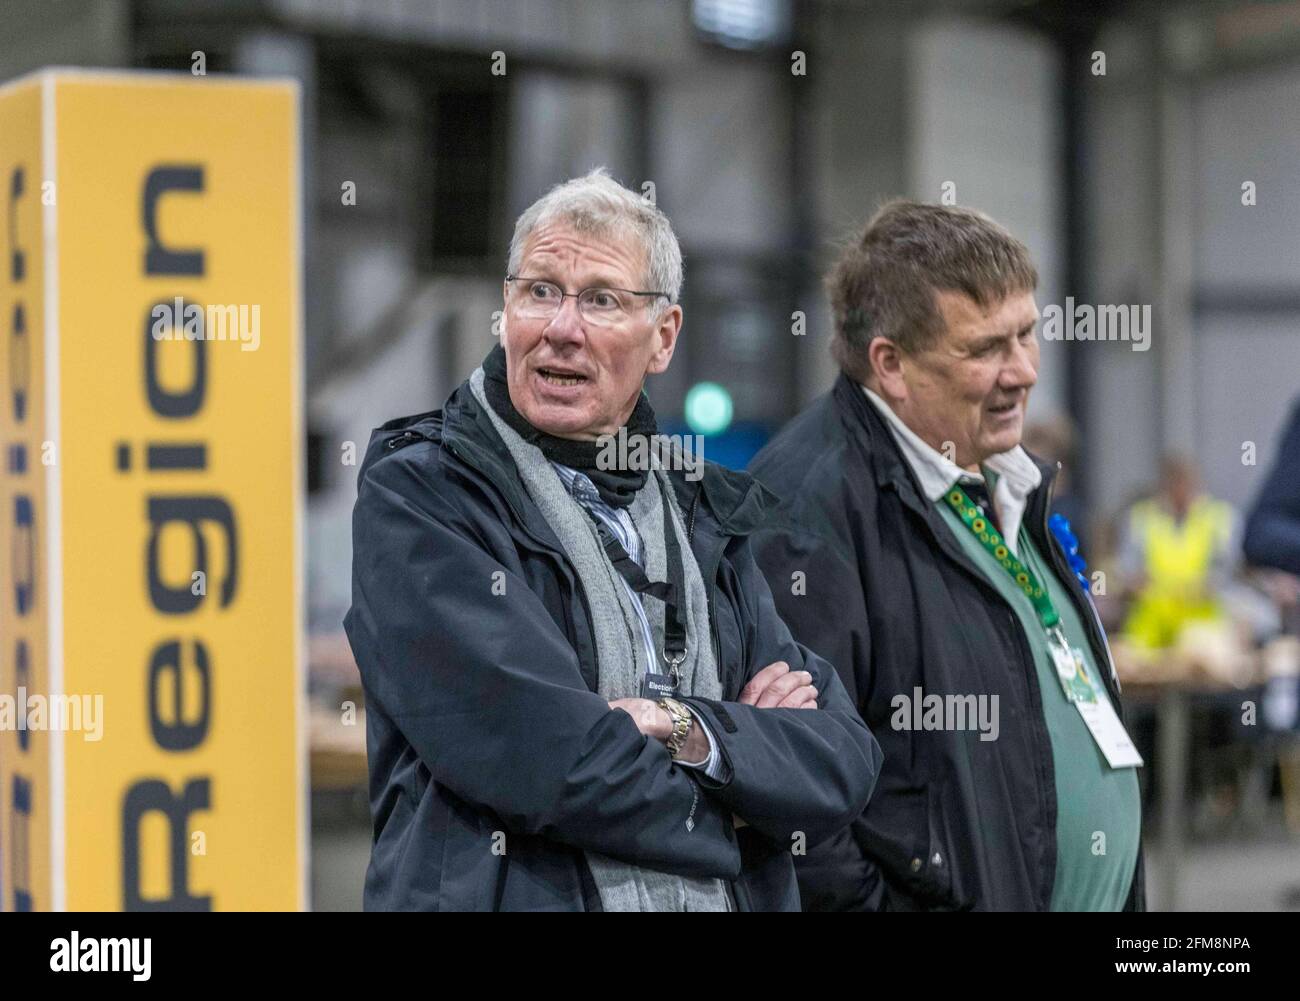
[(681, 717)]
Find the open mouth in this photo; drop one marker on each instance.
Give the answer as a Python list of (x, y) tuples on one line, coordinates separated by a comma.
[(1004, 409), (560, 377)]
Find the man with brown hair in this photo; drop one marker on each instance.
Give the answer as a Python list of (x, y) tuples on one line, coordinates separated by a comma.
[(912, 550)]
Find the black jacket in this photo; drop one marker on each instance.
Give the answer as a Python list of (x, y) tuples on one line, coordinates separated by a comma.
[(1272, 536), (493, 761), (893, 602)]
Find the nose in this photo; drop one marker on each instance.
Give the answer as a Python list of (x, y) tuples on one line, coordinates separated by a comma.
[(565, 328), (1021, 372)]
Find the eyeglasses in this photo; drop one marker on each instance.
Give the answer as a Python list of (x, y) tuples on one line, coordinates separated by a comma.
[(536, 299)]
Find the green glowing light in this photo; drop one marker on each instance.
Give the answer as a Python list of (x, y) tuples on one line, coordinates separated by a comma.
[(708, 408)]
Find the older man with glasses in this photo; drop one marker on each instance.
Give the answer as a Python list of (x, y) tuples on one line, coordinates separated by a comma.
[(579, 694)]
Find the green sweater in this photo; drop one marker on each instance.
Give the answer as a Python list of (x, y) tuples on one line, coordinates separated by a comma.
[(1098, 808)]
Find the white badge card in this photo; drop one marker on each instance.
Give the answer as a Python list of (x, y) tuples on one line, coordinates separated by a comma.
[(1109, 733), (1064, 662)]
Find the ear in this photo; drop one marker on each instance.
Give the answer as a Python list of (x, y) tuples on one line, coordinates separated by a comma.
[(665, 334), (887, 363)]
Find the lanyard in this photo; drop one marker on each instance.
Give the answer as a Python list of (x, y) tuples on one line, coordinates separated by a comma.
[(991, 540), (671, 592), (1069, 667)]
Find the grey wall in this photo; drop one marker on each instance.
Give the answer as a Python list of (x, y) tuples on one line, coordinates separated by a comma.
[(985, 106), (1169, 155), (1247, 128), (37, 34)]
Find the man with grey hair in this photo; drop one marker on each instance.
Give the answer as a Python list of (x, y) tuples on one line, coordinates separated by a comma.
[(579, 695), (960, 622)]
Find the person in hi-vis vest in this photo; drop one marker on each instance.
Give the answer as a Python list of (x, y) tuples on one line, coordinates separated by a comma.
[(1178, 550)]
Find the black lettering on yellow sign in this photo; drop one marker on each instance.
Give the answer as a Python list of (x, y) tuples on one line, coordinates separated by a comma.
[(154, 795), (17, 260), (169, 726), (20, 841), (22, 556), (158, 259), (172, 731), (20, 362)]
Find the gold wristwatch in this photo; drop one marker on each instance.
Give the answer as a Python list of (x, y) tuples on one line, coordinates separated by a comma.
[(681, 717)]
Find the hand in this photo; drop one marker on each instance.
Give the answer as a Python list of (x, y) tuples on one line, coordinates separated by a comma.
[(777, 687), (649, 717), (1283, 588)]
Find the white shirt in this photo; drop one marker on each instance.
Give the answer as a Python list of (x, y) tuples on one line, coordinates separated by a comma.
[(1018, 475)]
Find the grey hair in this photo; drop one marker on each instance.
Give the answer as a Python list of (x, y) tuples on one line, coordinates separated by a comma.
[(598, 204)]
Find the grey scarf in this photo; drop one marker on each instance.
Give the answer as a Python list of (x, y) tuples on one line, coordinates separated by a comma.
[(621, 656)]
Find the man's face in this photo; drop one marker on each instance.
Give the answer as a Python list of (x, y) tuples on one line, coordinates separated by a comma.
[(971, 387), (568, 377)]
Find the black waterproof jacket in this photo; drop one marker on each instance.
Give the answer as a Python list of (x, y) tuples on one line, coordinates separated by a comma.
[(894, 603), (494, 763), (1272, 537)]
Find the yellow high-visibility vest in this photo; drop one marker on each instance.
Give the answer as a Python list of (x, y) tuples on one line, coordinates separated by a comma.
[(1178, 557)]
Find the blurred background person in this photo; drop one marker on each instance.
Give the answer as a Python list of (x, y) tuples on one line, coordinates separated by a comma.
[(1177, 554), (1273, 528), (1272, 542)]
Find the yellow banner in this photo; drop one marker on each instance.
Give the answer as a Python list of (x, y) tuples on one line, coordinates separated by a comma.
[(27, 793), (170, 461)]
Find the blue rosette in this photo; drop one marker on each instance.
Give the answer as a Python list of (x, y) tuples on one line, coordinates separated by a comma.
[(1060, 527)]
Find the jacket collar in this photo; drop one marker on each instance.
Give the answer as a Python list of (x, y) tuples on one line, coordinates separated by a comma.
[(736, 500), (863, 424)]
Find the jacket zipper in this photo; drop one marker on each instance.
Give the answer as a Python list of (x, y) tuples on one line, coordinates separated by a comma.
[(711, 584), (740, 895), (1027, 656), (405, 436)]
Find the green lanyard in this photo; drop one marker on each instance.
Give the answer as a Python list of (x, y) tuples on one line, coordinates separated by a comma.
[(1069, 668), (991, 540)]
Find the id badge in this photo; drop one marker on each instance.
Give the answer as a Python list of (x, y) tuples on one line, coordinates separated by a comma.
[(1100, 718), (1109, 733), (1065, 663), (1081, 688), (657, 686)]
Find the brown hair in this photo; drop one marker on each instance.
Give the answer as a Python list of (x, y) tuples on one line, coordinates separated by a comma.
[(883, 284)]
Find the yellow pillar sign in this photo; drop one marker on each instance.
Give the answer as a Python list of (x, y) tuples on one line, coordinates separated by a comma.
[(151, 719)]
